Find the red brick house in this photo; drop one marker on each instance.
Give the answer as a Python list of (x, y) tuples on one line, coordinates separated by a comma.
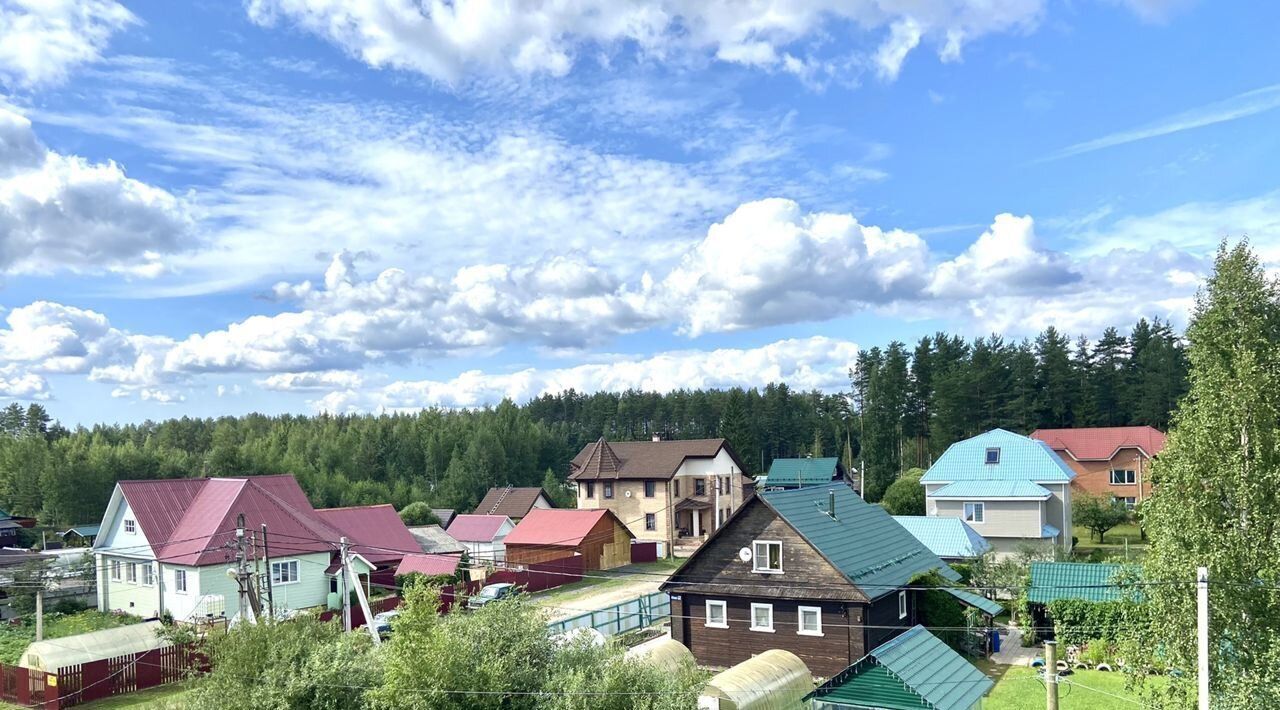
[(1113, 461)]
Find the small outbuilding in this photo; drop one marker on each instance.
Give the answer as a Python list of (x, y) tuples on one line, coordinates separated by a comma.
[(773, 680), (80, 535), (547, 534), (913, 670), (50, 655)]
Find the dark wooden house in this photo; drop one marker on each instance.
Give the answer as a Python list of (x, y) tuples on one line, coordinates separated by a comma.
[(815, 571)]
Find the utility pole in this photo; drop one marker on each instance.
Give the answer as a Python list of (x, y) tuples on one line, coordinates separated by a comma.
[(266, 553), (1202, 635), (364, 601), (346, 593), (1051, 674), (40, 613), (248, 601)]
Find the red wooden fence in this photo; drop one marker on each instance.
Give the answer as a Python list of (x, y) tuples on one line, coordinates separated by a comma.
[(85, 682), (377, 606)]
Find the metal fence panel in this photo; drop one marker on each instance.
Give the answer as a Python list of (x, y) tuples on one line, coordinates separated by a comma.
[(620, 618)]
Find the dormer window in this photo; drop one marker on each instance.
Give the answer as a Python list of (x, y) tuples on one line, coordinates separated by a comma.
[(993, 455)]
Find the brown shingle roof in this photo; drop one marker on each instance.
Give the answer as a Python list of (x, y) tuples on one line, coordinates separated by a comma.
[(509, 501), (642, 459)]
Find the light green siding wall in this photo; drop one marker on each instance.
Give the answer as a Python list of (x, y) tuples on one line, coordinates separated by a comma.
[(136, 599), (310, 590)]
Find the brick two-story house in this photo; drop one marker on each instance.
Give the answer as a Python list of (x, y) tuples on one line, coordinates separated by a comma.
[(1108, 461), (672, 492)]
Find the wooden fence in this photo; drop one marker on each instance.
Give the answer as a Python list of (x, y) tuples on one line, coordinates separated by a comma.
[(376, 606), (95, 680)]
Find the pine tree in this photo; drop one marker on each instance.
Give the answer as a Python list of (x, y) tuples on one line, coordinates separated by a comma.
[(1215, 503)]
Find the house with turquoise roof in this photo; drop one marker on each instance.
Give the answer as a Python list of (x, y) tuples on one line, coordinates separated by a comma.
[(1011, 489)]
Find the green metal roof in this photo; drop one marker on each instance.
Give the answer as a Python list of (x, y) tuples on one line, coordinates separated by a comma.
[(1021, 458), (802, 472), (914, 663), (84, 530), (1091, 581), (992, 489), (980, 603), (862, 541), (945, 537)]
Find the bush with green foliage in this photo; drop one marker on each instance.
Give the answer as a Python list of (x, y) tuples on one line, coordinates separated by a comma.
[(1076, 621), (905, 496), (418, 513)]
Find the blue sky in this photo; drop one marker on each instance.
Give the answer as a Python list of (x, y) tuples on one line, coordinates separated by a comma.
[(296, 205)]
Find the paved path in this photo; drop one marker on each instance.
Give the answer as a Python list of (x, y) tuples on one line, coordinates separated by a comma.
[(1012, 652)]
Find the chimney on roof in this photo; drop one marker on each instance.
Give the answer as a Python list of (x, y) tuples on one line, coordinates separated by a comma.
[(831, 504)]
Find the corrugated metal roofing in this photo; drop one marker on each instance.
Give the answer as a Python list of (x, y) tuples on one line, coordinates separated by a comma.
[(992, 489), (433, 539), (773, 680), (945, 537), (803, 472), (877, 554), (1021, 458), (428, 565), (556, 527), (1102, 443), (980, 603), (1091, 581), (158, 506), (641, 459), (510, 501), (1048, 530), (476, 528), (376, 531), (920, 664), (84, 530)]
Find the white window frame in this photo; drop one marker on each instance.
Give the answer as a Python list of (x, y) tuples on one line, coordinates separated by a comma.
[(180, 581), (130, 526), (979, 512), (902, 605), (147, 577), (986, 455), (1129, 502), (284, 564), (131, 572), (756, 556), (1130, 474), (650, 518), (115, 571), (723, 606), (762, 629), (800, 612)]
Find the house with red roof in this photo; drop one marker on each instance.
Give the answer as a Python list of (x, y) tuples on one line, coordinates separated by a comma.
[(547, 534), (165, 546), (484, 536), (1109, 461)]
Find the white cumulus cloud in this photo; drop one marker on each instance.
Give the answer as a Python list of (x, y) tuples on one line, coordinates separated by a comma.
[(41, 41)]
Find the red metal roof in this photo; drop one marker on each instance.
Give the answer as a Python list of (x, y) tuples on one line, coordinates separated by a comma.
[(429, 565), (1102, 443), (193, 520), (376, 531), (558, 527), (476, 528)]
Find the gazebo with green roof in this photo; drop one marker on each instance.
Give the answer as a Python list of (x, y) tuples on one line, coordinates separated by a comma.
[(913, 671)]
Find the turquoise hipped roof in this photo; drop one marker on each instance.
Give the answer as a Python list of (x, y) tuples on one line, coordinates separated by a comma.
[(1021, 459), (992, 489), (945, 537)]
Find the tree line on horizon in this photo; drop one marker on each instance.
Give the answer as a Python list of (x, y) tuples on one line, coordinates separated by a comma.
[(903, 409)]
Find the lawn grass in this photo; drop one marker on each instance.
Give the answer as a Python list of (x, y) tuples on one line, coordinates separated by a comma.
[(1021, 688), (165, 696), (1113, 543)]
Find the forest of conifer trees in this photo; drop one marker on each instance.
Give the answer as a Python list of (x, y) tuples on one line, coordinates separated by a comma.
[(903, 408)]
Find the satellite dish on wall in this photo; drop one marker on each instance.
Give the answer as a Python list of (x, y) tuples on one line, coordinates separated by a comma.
[(745, 554), (627, 494)]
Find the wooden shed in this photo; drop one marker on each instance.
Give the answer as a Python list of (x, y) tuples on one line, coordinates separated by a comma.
[(550, 534)]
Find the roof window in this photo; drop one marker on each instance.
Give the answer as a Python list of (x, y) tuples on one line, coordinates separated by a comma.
[(993, 454)]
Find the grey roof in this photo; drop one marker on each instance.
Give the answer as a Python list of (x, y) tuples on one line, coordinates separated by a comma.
[(445, 515), (863, 541), (434, 540), (642, 459)]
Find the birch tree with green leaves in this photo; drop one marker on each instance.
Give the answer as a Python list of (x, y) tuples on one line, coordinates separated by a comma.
[(1217, 500)]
